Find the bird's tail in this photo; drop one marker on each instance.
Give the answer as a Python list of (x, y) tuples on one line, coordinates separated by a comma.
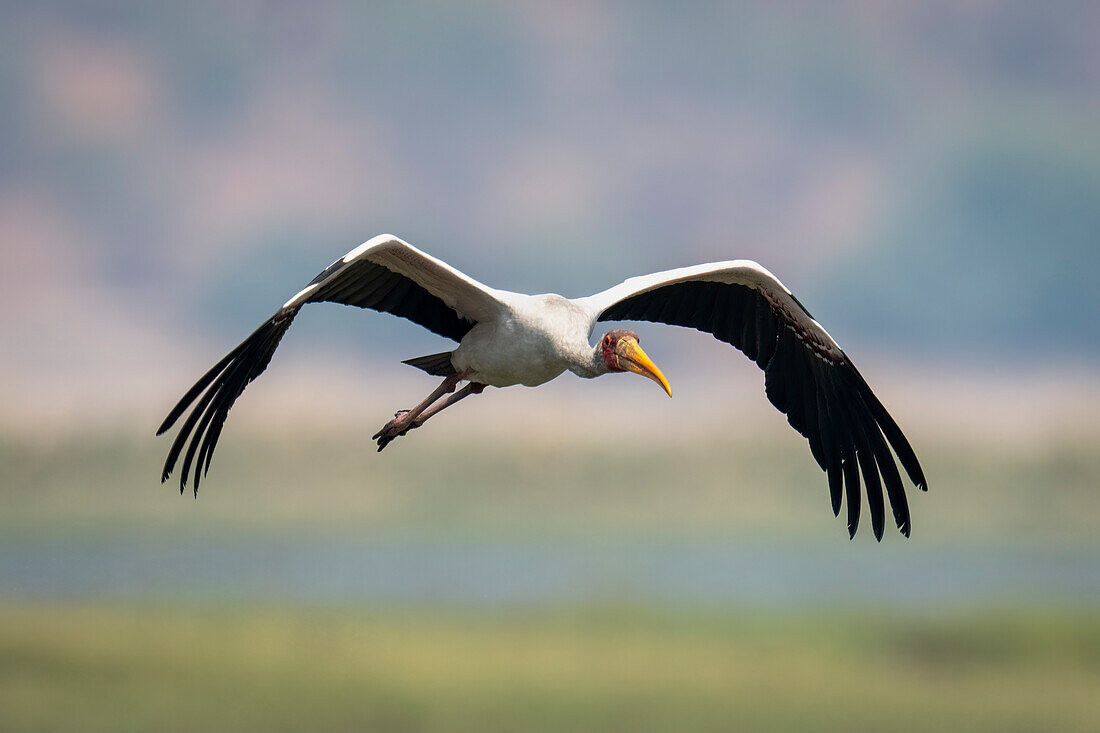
[(438, 365), (219, 389)]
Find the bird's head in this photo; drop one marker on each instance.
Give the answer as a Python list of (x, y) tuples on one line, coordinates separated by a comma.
[(622, 353)]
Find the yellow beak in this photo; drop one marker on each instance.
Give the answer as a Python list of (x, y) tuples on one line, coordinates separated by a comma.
[(632, 358)]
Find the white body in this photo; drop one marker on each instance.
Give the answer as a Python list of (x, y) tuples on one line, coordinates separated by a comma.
[(534, 339)]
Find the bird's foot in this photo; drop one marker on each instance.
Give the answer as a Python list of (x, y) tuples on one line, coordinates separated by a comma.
[(395, 428)]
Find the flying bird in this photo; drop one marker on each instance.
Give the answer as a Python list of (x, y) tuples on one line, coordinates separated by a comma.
[(507, 338)]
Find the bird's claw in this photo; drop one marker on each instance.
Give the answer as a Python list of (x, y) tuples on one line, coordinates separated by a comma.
[(393, 429)]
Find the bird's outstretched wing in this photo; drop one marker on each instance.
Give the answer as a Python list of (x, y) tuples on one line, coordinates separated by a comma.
[(384, 274), (806, 374)]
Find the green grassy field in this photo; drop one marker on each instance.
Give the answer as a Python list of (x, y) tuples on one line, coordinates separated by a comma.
[(108, 668), (141, 664), (334, 482)]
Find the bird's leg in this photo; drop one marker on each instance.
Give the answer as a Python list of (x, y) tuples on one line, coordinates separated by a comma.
[(404, 418), (469, 389), (384, 438)]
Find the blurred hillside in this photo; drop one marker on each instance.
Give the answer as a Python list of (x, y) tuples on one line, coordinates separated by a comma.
[(926, 175)]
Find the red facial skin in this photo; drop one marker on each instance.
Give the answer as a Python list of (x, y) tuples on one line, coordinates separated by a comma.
[(610, 358)]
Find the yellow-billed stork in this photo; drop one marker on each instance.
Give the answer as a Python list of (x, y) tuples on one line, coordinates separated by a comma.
[(507, 338)]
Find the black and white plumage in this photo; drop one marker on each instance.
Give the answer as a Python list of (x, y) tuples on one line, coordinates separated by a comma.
[(508, 338)]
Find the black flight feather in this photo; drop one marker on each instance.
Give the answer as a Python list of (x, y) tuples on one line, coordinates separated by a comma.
[(822, 394), (223, 385)]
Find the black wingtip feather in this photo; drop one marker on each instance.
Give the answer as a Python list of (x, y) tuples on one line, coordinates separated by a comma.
[(895, 489), (851, 489), (199, 386), (890, 429), (816, 386), (835, 487), (223, 384), (243, 356), (869, 467)]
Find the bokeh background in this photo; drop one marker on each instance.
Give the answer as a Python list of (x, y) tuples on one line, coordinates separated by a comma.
[(588, 555)]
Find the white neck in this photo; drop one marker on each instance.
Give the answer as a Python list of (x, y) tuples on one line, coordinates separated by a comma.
[(589, 363)]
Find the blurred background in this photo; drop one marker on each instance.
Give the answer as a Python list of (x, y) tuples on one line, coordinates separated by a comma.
[(588, 555)]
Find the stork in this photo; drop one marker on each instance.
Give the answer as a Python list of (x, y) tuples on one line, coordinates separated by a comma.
[(507, 338)]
